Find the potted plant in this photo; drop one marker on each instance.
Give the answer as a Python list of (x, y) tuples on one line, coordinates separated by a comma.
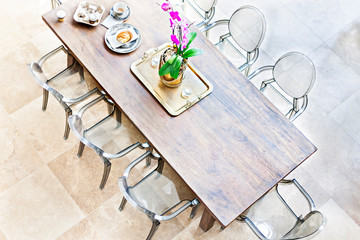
[(173, 61)]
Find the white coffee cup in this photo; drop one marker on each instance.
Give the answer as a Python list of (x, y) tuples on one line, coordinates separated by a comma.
[(119, 9)]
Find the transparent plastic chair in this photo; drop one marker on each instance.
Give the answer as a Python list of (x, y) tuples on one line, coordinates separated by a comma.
[(204, 9), (55, 3), (246, 31), (271, 218), (293, 77), (106, 136), (155, 194), (67, 86)]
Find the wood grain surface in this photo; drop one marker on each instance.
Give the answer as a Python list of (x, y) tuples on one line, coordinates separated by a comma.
[(230, 148)]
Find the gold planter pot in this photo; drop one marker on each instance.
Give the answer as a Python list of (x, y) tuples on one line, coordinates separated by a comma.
[(167, 80)]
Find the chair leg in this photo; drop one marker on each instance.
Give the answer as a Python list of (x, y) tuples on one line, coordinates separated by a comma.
[(262, 87), (45, 99), (154, 227), (81, 149), (160, 166), (194, 210), (148, 159), (107, 168), (118, 116), (122, 204), (247, 71), (248, 59), (67, 128), (110, 108), (206, 32)]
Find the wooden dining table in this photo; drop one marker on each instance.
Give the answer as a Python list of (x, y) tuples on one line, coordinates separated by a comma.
[(230, 148)]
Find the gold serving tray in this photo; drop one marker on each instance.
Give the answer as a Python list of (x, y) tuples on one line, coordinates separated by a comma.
[(170, 98)]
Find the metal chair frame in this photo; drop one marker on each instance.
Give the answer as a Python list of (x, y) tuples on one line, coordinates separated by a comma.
[(299, 103), (251, 56), (55, 3), (299, 220), (66, 103), (207, 14), (104, 156), (155, 218)]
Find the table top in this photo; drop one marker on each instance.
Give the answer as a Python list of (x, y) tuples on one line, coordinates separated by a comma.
[(230, 148)]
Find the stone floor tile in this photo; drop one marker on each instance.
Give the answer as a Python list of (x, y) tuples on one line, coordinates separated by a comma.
[(337, 151), (17, 157), (319, 195), (235, 231), (286, 33), (44, 130), (324, 21), (336, 164), (37, 207), (83, 230), (307, 120), (12, 36), (45, 41), (81, 177), (347, 115), (266, 7), (130, 223), (33, 11), (345, 44), (2, 236), (338, 225), (17, 85), (335, 80)]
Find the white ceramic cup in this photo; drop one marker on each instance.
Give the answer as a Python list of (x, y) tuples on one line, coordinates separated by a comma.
[(119, 9), (61, 15)]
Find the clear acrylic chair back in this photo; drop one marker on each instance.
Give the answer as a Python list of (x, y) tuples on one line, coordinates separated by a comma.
[(295, 74), (247, 26)]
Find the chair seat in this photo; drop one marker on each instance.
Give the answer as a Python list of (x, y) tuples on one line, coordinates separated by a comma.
[(190, 13), (312, 223), (156, 193), (108, 134), (232, 53), (281, 102), (271, 216), (71, 85)]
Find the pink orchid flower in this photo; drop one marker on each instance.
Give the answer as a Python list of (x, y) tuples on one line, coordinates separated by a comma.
[(175, 15), (184, 23), (185, 31), (184, 43), (184, 27), (166, 7), (175, 40), (172, 24)]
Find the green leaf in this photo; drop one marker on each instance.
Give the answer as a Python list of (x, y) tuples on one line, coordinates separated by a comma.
[(171, 59), (165, 69), (191, 36), (175, 68), (192, 52)]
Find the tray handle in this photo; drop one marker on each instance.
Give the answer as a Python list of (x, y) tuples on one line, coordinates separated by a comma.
[(149, 53)]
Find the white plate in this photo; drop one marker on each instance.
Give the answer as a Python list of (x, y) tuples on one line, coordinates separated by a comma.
[(112, 39), (127, 47)]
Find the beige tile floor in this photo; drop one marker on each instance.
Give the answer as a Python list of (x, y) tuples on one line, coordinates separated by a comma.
[(46, 192)]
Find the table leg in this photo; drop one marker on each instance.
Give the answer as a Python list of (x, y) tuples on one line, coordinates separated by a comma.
[(70, 60), (207, 220)]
